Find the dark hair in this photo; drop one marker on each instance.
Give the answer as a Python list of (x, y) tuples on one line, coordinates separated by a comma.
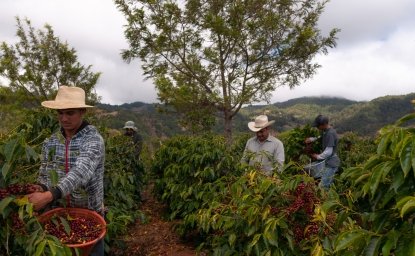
[(320, 120)]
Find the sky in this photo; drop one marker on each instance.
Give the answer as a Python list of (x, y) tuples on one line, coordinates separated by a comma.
[(374, 57)]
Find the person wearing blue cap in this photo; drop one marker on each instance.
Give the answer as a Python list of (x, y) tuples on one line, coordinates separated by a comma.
[(329, 142), (131, 131)]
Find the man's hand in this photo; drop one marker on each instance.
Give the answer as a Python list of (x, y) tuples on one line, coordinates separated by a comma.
[(309, 140), (40, 199), (314, 156)]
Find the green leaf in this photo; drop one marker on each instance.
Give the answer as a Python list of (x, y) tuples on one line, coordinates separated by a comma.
[(383, 144), (405, 247), (65, 224), (255, 240), (413, 156), (5, 169), (386, 248), (30, 153), (54, 177), (405, 156), (231, 239), (377, 173), (348, 239), (407, 207), (4, 203), (405, 118), (272, 238), (52, 247), (397, 181), (40, 248), (373, 247), (10, 148)]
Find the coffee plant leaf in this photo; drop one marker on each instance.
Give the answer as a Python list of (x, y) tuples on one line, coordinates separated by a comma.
[(386, 248), (21, 201), (413, 156), (231, 239), (31, 153), (377, 173), (65, 225), (405, 247), (254, 240), (40, 248), (349, 239), (317, 250), (373, 247), (5, 169), (3, 204), (406, 205), (52, 247), (10, 148), (54, 177), (406, 156), (405, 118), (398, 181)]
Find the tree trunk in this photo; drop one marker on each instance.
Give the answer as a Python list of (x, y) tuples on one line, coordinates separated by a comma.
[(228, 127)]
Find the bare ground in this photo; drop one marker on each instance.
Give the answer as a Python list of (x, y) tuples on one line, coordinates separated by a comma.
[(156, 237)]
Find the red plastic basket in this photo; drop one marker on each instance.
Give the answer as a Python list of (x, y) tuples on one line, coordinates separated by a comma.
[(78, 212)]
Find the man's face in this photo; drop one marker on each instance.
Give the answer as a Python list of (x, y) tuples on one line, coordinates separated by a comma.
[(70, 119), (129, 131), (262, 135)]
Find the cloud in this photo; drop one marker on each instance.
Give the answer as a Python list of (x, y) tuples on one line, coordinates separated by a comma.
[(363, 71), (374, 56), (94, 28)]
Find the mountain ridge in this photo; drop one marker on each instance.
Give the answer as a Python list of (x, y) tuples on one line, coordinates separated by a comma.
[(362, 117)]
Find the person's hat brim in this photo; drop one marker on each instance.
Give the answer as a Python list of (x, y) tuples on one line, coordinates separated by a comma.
[(252, 127), (63, 105)]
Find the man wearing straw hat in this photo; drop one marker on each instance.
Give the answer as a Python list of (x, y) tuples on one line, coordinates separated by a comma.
[(75, 155), (264, 150)]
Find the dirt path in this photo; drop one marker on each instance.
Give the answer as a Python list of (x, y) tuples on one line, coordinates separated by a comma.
[(155, 238)]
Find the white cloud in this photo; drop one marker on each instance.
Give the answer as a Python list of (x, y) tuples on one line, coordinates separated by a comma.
[(374, 57)]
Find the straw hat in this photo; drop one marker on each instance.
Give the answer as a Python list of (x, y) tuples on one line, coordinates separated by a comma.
[(130, 125), (67, 97), (260, 123)]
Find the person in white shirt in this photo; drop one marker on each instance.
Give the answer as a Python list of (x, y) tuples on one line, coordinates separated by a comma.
[(264, 150)]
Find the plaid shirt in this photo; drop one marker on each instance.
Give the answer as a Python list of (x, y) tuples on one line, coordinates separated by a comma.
[(76, 167)]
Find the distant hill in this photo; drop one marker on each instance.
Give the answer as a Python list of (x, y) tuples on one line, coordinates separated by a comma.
[(363, 118)]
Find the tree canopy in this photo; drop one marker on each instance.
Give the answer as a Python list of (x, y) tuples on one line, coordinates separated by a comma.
[(39, 63), (224, 53)]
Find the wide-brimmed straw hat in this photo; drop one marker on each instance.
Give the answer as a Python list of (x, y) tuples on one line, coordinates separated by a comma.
[(130, 125), (67, 97), (260, 123)]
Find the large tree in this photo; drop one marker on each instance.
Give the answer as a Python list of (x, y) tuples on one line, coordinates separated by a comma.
[(224, 53), (39, 63)]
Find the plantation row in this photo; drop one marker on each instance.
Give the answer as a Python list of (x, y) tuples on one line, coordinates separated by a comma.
[(235, 210), (232, 208)]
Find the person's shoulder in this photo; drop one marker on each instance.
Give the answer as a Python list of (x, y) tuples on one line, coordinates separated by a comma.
[(274, 139), (331, 130), (251, 139), (92, 132)]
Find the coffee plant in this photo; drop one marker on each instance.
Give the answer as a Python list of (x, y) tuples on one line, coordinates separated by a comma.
[(186, 167), (381, 197)]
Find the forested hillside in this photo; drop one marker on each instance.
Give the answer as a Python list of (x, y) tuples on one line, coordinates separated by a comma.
[(363, 118)]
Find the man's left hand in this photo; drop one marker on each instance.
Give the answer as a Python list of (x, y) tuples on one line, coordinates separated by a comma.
[(40, 199)]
